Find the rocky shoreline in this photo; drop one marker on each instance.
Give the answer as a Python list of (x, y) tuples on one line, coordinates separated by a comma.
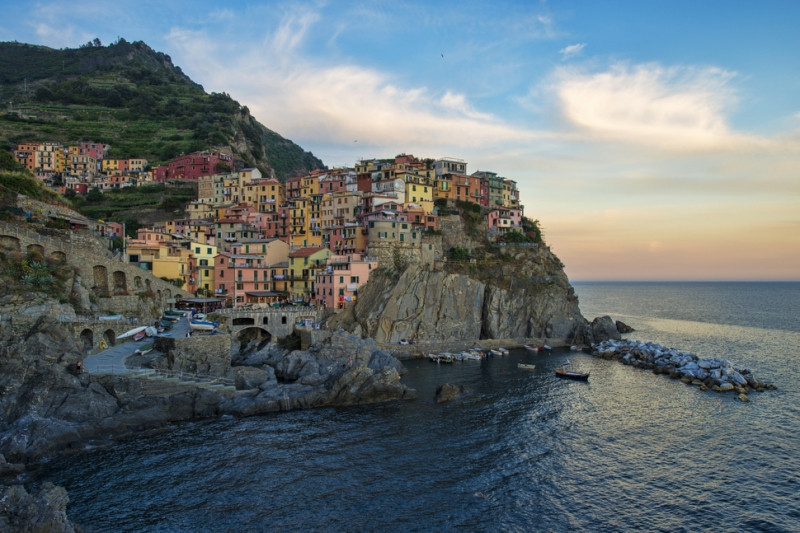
[(719, 375)]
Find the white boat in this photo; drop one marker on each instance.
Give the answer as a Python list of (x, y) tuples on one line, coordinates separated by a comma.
[(502, 350), (150, 331), (496, 352), (133, 332), (526, 366), (531, 348), (110, 317), (202, 325)]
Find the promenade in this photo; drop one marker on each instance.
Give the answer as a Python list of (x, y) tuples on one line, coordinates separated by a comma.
[(112, 359)]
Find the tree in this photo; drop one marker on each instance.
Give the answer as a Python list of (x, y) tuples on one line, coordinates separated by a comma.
[(94, 196)]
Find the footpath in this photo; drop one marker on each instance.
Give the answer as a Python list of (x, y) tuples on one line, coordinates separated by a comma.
[(112, 359)]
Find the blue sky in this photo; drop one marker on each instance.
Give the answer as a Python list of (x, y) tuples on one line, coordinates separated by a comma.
[(653, 140)]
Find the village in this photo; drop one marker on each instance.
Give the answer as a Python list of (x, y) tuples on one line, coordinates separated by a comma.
[(251, 240)]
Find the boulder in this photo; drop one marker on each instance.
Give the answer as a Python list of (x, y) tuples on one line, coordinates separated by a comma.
[(43, 511), (448, 392)]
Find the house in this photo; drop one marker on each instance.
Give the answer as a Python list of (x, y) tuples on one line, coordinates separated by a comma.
[(338, 284), (303, 267)]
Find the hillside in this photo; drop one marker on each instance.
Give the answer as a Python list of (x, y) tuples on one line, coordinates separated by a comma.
[(133, 98)]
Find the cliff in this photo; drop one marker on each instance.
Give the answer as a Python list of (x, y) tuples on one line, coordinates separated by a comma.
[(520, 293)]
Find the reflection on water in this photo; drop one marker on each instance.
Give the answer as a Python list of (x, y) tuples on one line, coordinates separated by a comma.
[(521, 450)]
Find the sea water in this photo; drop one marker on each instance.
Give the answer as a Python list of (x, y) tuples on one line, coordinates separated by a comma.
[(519, 451)]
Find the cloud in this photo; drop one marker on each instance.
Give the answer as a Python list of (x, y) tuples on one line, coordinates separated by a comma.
[(572, 50), (677, 108)]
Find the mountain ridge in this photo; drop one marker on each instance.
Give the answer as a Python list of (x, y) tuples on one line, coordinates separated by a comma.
[(135, 99)]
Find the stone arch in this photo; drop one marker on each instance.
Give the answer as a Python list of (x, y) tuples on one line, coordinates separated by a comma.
[(100, 277), (9, 243), (58, 256), (87, 340), (109, 337), (120, 282), (253, 333), (35, 249), (137, 282)]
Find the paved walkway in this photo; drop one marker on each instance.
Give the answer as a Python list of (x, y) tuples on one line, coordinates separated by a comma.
[(112, 360)]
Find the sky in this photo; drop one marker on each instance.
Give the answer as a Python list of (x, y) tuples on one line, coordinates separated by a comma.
[(651, 140)]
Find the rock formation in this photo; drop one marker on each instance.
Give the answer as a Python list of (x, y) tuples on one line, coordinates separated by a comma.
[(429, 305)]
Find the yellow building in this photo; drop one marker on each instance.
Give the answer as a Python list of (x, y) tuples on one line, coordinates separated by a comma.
[(203, 268)]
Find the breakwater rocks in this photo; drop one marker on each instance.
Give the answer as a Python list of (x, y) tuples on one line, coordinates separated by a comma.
[(709, 374)]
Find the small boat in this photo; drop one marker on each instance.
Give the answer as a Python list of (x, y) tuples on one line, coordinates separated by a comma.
[(502, 350), (202, 325), (441, 357), (547, 347), (110, 317), (150, 331), (496, 352), (562, 372), (531, 348), (526, 366), (144, 349), (133, 333)]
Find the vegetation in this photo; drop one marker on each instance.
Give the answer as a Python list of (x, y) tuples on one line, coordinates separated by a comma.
[(34, 273), (134, 99), (132, 205), (13, 183)]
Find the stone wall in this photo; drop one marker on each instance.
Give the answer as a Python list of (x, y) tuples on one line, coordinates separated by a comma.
[(117, 287), (202, 355)]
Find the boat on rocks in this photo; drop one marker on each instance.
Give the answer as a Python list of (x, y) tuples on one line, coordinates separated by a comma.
[(144, 349), (202, 325)]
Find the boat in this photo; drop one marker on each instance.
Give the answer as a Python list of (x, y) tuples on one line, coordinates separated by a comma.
[(144, 349), (526, 366), (202, 325), (495, 352), (133, 333), (562, 372), (441, 357), (502, 350), (110, 317), (531, 348), (150, 331)]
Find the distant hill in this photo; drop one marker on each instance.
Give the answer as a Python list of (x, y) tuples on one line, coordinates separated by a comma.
[(133, 98)]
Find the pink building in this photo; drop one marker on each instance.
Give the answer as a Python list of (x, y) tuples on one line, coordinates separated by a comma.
[(243, 279), (338, 285), (503, 220), (192, 166)]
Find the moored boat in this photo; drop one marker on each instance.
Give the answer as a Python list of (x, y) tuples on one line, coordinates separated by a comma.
[(531, 348), (526, 366), (563, 372), (133, 333)]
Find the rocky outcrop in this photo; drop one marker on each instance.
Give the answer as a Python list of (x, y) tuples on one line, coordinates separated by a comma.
[(48, 408), (437, 306), (448, 392), (715, 374), (32, 513)]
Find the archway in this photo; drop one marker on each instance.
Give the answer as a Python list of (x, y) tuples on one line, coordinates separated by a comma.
[(87, 340), (36, 249), (9, 243), (120, 283), (109, 338), (253, 339), (59, 256), (100, 278)]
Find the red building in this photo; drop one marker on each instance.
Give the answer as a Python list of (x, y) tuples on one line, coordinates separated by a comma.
[(192, 166)]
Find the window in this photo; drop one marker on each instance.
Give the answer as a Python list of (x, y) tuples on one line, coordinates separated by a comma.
[(353, 279)]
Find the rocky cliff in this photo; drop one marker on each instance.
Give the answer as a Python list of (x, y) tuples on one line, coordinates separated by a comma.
[(522, 293)]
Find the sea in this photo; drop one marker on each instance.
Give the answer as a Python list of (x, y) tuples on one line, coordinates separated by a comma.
[(520, 450)]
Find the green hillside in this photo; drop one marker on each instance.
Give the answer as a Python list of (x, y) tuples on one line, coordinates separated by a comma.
[(133, 98)]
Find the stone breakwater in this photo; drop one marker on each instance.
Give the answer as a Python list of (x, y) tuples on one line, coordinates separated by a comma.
[(715, 374)]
